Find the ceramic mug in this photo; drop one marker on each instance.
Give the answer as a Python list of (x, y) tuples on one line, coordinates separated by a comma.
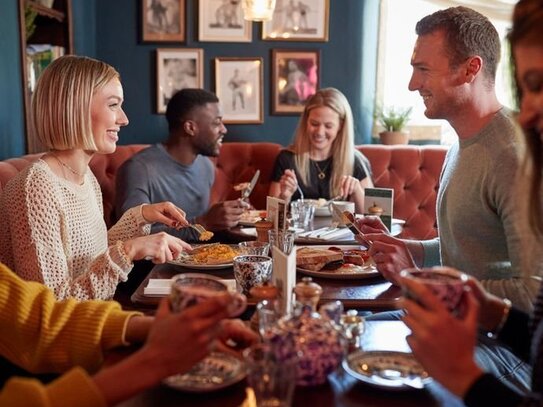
[(445, 282), (250, 271), (189, 289), (342, 206)]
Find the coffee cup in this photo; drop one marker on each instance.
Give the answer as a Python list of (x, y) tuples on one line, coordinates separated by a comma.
[(250, 271), (342, 206), (189, 289), (446, 283)]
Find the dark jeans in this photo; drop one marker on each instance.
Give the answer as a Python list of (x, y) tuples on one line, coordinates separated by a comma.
[(490, 355)]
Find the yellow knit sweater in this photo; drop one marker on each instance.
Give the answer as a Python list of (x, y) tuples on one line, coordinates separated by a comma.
[(42, 335)]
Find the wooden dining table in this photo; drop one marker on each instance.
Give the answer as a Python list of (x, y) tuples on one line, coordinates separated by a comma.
[(340, 390), (368, 294)]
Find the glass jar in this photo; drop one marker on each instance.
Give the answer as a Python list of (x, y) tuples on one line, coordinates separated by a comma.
[(314, 338)]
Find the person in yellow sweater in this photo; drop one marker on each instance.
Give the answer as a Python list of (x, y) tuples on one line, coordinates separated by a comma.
[(41, 335)]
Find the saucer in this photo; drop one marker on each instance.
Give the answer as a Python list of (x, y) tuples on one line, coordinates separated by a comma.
[(387, 370), (215, 372)]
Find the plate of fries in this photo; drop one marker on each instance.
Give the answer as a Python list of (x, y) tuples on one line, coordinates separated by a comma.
[(208, 257)]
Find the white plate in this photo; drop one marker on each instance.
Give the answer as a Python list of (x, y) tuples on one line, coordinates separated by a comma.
[(249, 218), (345, 272), (215, 372), (387, 370), (323, 211), (186, 261), (199, 266)]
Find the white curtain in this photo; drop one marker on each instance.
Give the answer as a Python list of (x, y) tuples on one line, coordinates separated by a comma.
[(494, 9)]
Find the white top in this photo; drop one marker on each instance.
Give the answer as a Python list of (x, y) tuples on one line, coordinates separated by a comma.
[(53, 232)]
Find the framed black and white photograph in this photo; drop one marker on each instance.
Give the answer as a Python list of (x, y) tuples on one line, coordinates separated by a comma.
[(222, 21), (163, 20), (298, 20), (177, 68), (238, 85), (295, 78)]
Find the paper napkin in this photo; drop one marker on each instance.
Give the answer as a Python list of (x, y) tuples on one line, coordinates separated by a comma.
[(160, 287)]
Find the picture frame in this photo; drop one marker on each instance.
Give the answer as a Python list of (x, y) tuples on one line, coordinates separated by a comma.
[(163, 20), (239, 87), (295, 78), (177, 68), (222, 21), (298, 20)]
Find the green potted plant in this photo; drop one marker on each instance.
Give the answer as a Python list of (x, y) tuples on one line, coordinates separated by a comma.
[(393, 121)]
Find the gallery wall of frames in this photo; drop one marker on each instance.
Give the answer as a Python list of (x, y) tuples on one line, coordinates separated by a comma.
[(238, 81), (262, 73)]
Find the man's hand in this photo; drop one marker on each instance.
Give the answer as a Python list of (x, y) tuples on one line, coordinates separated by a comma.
[(391, 255), (223, 215), (371, 224)]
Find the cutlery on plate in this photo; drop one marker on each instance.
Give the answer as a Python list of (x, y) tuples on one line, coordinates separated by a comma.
[(349, 220)]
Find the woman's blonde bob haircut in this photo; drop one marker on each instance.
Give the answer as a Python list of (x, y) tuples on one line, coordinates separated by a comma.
[(343, 151), (61, 103)]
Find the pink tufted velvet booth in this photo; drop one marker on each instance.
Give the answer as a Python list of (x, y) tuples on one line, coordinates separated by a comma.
[(413, 172)]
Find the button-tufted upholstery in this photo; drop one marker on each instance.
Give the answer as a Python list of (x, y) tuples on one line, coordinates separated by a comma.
[(413, 172)]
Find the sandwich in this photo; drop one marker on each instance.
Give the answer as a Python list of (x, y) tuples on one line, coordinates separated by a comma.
[(316, 259)]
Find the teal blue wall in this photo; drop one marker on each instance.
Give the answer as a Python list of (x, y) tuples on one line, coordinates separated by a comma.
[(109, 30), (341, 66), (12, 142)]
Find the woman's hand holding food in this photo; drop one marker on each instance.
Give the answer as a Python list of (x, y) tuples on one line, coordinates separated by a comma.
[(288, 184), (166, 213), (159, 247)]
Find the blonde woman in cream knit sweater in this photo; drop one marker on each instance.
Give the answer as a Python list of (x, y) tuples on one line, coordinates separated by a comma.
[(53, 229)]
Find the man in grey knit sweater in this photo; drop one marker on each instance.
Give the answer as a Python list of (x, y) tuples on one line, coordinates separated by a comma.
[(454, 66), (180, 168)]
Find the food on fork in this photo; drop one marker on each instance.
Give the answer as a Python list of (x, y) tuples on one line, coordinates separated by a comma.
[(205, 236), (241, 186)]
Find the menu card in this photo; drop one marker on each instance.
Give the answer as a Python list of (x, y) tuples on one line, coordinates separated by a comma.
[(379, 201), (277, 212), (284, 277)]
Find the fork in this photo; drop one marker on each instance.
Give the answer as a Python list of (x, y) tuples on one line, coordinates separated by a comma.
[(203, 234)]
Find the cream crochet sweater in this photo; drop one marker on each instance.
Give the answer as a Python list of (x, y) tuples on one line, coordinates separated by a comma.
[(53, 232)]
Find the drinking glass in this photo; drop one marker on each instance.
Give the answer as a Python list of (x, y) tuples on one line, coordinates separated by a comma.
[(283, 239), (273, 381), (302, 213), (254, 248)]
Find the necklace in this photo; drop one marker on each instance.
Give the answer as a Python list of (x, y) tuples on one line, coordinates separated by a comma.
[(321, 172), (63, 164)]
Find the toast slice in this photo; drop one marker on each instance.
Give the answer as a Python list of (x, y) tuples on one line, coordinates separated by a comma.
[(314, 256)]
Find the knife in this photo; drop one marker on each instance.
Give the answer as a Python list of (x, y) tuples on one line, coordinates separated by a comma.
[(247, 191), (349, 219)]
